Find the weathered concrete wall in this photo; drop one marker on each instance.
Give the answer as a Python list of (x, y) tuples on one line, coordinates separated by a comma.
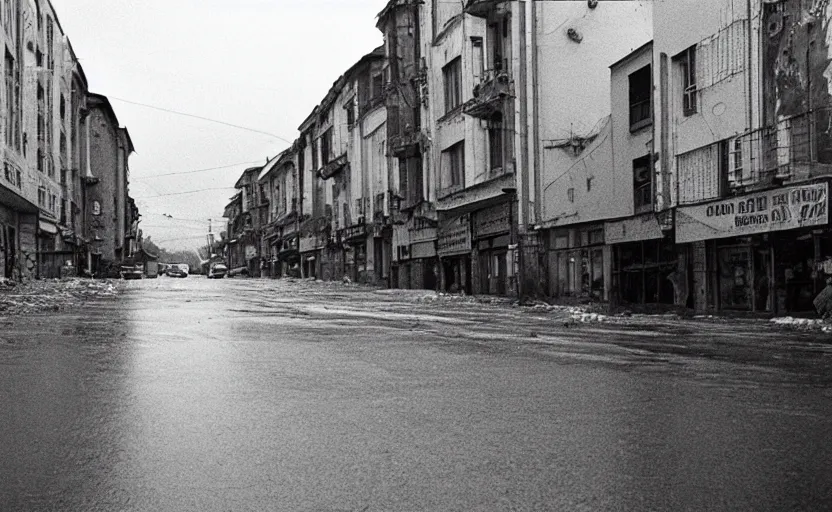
[(570, 110), (104, 164), (627, 145)]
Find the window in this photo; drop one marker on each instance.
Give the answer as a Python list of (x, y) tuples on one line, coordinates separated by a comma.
[(642, 184), (403, 176), (326, 142), (736, 158), (640, 88), (12, 102), (350, 108), (570, 194), (42, 197), (455, 160), (452, 74), (315, 155), (495, 141), (377, 86), (687, 64), (63, 107)]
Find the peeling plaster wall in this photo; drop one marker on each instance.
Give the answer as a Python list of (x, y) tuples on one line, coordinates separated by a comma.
[(451, 128), (576, 106), (797, 67)]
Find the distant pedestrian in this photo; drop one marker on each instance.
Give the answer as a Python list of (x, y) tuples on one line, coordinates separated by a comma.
[(823, 302)]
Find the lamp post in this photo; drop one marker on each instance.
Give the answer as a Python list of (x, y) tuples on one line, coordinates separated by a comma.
[(514, 242)]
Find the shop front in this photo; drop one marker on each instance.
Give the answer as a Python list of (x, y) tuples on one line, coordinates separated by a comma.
[(289, 256), (415, 264), (492, 237), (310, 254), (354, 240), (578, 262), (644, 262), (454, 251), (764, 252)]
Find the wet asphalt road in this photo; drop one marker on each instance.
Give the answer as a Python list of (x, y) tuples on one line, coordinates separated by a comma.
[(262, 395)]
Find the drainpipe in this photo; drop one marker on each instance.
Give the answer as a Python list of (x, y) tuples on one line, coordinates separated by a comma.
[(538, 200)]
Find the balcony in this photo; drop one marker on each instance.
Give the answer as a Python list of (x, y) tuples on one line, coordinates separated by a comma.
[(490, 94), (482, 8)]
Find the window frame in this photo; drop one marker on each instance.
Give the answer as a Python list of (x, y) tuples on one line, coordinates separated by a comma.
[(639, 116), (452, 82), (687, 67)]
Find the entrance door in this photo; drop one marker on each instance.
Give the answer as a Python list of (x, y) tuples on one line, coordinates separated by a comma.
[(735, 278), (11, 251), (501, 272)]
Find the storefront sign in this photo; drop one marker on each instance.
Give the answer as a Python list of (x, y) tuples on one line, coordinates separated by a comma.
[(634, 229), (354, 232), (772, 210), (423, 250), (454, 235), (493, 221)]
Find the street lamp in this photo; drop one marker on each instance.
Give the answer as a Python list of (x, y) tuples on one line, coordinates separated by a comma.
[(514, 242)]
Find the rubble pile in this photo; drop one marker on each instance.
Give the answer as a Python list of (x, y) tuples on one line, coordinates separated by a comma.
[(52, 294)]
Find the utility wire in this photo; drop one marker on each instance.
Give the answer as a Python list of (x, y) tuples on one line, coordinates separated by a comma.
[(195, 171), (188, 192), (203, 118)]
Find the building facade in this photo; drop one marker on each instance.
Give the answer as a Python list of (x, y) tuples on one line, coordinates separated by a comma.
[(46, 148)]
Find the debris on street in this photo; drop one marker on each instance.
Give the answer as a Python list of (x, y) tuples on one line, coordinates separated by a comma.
[(38, 296)]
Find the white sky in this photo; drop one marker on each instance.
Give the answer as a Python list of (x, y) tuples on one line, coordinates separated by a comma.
[(262, 64)]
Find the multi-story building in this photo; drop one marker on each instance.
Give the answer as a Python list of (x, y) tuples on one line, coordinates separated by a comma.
[(250, 220), (48, 186), (744, 156), (278, 182), (414, 259), (234, 250), (542, 100), (109, 217)]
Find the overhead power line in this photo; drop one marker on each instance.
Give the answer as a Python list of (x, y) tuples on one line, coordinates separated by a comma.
[(203, 118), (187, 192), (177, 173)]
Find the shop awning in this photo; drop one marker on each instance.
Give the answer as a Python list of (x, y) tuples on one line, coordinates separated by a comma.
[(47, 227), (632, 229)]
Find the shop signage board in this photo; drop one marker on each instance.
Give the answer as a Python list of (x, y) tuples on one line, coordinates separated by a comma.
[(354, 232), (633, 229), (454, 236), (493, 221), (761, 212)]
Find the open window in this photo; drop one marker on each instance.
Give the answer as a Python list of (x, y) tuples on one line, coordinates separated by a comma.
[(640, 96)]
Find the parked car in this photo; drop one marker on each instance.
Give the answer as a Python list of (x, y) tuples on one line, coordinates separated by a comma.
[(132, 271), (176, 271), (217, 271)]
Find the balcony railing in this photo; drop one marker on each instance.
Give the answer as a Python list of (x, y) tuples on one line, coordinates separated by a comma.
[(495, 86)]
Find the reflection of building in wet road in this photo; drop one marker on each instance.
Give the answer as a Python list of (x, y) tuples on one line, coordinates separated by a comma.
[(243, 394)]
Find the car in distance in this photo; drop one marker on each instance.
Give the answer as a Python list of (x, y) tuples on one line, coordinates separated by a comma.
[(176, 271), (217, 271)]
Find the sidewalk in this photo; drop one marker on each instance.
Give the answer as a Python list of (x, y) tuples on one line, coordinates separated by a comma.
[(39, 296), (604, 313)]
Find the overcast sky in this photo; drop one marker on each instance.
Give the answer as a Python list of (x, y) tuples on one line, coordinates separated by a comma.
[(262, 64)]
